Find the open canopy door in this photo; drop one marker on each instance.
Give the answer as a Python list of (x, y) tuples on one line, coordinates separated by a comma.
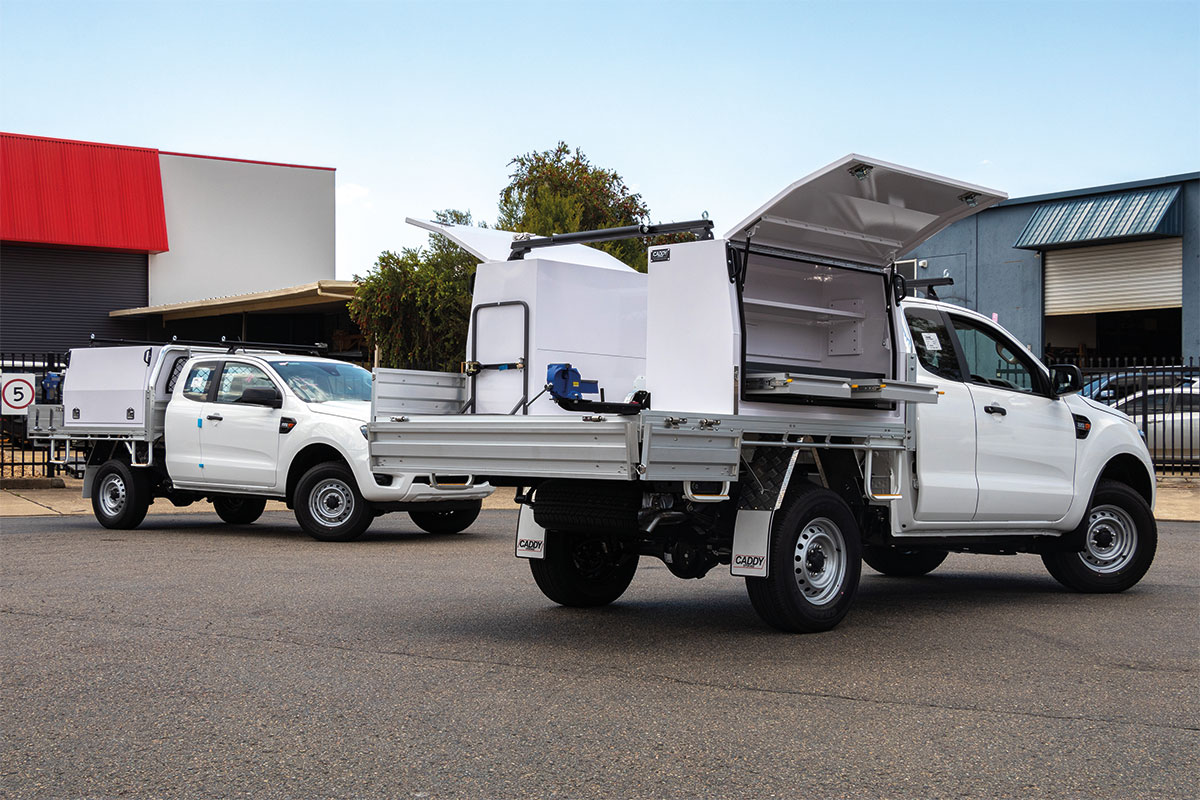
[(490, 244), (862, 210)]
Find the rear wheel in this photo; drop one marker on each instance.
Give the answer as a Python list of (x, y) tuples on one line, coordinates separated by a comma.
[(583, 571), (120, 495), (446, 521), (900, 562), (1119, 540), (815, 563), (329, 506), (239, 509)]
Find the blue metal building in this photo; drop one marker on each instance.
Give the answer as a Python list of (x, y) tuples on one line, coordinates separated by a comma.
[(1110, 271)]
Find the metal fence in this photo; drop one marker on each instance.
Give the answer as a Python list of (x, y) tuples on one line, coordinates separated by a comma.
[(20, 457), (1161, 395)]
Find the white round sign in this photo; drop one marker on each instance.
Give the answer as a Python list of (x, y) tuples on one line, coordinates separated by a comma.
[(18, 393)]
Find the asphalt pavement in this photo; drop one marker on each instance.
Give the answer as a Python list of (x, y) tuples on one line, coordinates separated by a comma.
[(193, 659)]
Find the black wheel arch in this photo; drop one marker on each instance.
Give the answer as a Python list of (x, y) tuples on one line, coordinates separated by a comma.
[(306, 459)]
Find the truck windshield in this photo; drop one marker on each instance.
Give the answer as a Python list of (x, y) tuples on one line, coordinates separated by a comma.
[(322, 381)]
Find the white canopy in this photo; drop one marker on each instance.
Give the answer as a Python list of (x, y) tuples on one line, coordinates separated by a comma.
[(490, 244), (862, 210)]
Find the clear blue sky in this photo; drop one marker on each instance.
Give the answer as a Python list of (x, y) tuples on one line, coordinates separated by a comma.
[(700, 105)]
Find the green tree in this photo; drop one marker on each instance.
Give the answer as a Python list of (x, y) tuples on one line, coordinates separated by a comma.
[(560, 191), (415, 305)]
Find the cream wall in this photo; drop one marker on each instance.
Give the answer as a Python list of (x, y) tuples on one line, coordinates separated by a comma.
[(236, 227)]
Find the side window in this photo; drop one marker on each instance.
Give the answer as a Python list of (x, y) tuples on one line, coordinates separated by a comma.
[(1154, 403), (1187, 403), (199, 381), (993, 360), (935, 350), (237, 378)]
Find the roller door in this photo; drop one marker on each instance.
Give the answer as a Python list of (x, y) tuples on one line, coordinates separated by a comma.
[(1114, 277), (52, 299)]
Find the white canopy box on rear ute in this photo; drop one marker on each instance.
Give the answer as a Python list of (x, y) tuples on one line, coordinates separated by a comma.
[(571, 304), (794, 305)]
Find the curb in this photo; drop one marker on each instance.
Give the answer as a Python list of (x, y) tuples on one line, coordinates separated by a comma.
[(32, 483)]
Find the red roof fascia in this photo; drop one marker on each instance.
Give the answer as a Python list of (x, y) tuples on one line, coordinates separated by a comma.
[(81, 194)]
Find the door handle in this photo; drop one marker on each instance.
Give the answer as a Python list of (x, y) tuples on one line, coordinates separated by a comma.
[(1001, 410), (215, 417)]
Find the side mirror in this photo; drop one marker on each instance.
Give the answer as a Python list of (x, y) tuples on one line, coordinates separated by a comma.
[(1065, 379), (261, 396)]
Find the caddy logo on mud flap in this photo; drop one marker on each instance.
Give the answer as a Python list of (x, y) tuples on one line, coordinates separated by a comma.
[(660, 254), (749, 562), (529, 545)]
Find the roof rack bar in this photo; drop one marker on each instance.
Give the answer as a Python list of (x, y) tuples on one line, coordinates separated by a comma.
[(928, 284), (231, 345), (520, 247), (236, 344)]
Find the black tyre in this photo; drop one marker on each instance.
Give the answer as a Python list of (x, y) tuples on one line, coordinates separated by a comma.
[(120, 495), (901, 562), (239, 509), (815, 563), (329, 506), (583, 571), (446, 521), (1119, 537)]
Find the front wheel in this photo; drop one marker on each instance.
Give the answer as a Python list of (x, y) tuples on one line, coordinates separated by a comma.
[(900, 562), (446, 521), (815, 564), (329, 506), (583, 571), (1119, 540), (120, 495), (239, 509)]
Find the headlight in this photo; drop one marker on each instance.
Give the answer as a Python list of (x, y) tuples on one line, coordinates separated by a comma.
[(363, 430)]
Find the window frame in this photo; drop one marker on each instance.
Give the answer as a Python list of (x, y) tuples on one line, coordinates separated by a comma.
[(1040, 379), (218, 365), (216, 387)]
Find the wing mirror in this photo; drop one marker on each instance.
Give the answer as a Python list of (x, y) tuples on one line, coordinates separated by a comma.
[(261, 396), (1066, 379)]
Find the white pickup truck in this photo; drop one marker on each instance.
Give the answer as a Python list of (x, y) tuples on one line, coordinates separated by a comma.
[(237, 427), (790, 410)]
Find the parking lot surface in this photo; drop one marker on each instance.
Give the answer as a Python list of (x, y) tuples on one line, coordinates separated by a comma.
[(193, 659)]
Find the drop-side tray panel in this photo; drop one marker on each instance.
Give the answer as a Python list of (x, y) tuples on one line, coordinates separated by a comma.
[(681, 454), (398, 392), (515, 446)]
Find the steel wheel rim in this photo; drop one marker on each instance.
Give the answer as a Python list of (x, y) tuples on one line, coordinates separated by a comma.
[(112, 494), (331, 503), (820, 561), (1111, 540)]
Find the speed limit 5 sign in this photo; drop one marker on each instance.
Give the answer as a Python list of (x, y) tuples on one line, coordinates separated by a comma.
[(18, 392)]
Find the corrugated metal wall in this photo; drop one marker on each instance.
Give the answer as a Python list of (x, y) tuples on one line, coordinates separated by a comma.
[(1115, 277), (51, 299), (81, 194)]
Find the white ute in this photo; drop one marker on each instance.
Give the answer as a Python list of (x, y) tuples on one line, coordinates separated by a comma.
[(237, 427), (790, 410)]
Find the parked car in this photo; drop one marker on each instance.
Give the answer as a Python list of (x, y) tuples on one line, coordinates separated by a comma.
[(1170, 418), (1111, 387)]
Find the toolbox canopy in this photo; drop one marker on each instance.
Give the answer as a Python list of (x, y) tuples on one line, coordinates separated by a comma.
[(862, 210), (491, 244)]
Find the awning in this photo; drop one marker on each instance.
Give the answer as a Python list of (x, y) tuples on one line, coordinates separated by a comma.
[(318, 296), (81, 194), (1122, 216)]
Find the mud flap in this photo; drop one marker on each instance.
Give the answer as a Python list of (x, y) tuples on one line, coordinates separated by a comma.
[(751, 541), (531, 537)]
